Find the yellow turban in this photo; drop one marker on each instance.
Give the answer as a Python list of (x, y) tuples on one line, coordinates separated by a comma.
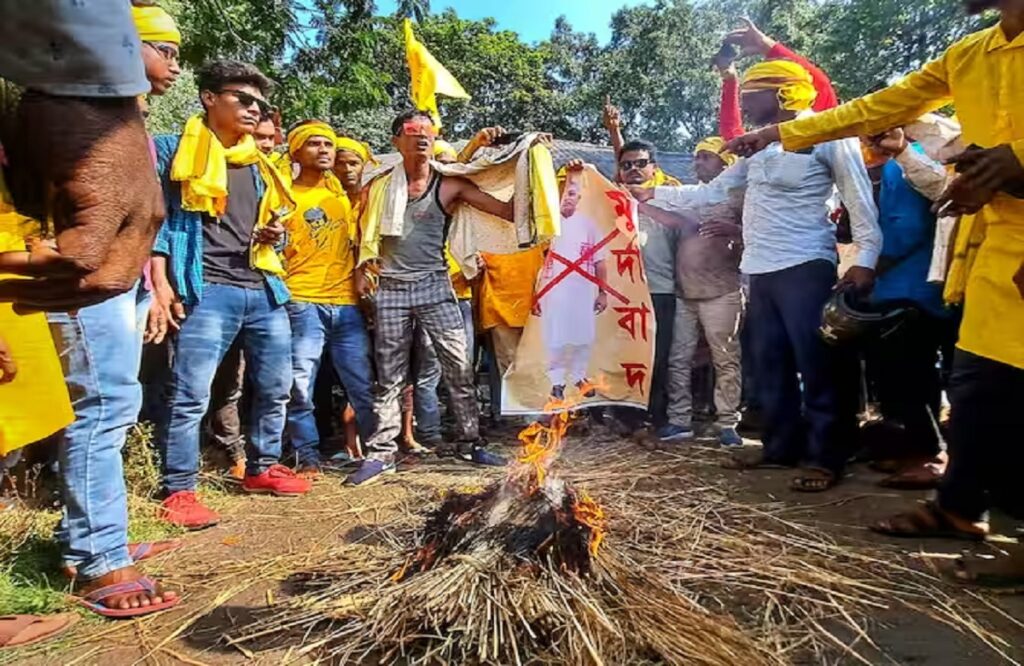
[(441, 147), (794, 83), (716, 145), (356, 148), (298, 137), (155, 25)]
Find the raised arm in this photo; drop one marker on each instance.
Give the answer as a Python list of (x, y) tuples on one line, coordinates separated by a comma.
[(612, 119)]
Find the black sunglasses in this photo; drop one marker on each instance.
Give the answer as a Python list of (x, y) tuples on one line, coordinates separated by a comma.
[(626, 165), (247, 100)]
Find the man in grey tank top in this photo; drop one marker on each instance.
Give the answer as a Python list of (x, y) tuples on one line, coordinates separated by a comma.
[(415, 289)]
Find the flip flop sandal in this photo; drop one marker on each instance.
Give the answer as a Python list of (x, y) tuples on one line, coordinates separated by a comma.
[(961, 572), (144, 550), (737, 461), (418, 450), (814, 481), (915, 479), (94, 600), (927, 522), (20, 630)]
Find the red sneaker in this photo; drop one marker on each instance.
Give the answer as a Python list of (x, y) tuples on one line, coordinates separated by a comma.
[(277, 480), (184, 509)]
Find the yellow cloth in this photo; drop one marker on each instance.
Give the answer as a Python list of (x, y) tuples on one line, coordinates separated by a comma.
[(547, 217), (35, 404), (463, 290), (983, 75), (716, 145), (356, 148), (442, 147), (794, 83), (370, 218), (428, 77), (298, 137), (506, 292), (155, 25), (201, 166), (662, 179), (320, 255)]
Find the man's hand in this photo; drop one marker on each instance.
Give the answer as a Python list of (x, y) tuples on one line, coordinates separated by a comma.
[(1018, 279), (983, 172), (487, 136), (574, 166), (754, 142), (721, 229), (364, 287), (535, 308), (270, 234), (891, 143), (85, 162), (166, 312), (8, 367), (860, 278), (750, 40), (601, 302), (612, 117)]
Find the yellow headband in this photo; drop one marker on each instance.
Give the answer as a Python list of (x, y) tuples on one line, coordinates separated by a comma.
[(298, 137), (155, 25), (794, 83), (356, 148), (441, 147), (716, 145)]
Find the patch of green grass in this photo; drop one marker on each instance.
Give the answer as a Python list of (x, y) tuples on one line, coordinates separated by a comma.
[(30, 578)]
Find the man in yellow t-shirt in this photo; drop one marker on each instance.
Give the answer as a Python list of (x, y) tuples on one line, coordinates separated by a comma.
[(324, 313), (983, 76)]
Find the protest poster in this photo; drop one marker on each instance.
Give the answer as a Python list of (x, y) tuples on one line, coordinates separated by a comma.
[(590, 338)]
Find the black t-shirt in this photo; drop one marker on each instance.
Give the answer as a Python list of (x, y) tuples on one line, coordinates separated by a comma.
[(226, 241)]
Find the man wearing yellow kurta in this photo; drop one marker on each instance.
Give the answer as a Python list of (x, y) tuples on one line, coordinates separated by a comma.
[(983, 76), (324, 312)]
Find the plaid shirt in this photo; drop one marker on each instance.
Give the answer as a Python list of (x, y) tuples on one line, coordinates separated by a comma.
[(181, 236)]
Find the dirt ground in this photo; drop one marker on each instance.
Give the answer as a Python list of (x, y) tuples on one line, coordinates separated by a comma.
[(229, 572)]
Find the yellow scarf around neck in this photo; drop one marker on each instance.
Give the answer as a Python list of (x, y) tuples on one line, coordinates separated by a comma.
[(201, 166)]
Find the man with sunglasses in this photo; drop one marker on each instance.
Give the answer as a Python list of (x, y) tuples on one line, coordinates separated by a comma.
[(414, 288), (220, 267)]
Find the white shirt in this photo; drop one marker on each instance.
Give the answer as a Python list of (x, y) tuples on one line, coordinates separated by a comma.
[(785, 212)]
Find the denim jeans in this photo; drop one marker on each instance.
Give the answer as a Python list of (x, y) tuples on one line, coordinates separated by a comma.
[(343, 330), (426, 380), (225, 313), (100, 349)]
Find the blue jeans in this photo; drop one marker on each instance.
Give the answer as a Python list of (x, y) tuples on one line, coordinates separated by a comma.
[(100, 348), (343, 330), (814, 425), (225, 313)]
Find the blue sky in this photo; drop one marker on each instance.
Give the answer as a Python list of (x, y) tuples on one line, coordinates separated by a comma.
[(533, 19)]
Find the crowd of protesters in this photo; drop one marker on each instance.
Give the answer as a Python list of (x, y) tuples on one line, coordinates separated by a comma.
[(242, 311)]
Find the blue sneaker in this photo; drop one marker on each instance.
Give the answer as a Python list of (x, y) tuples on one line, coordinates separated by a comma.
[(481, 456), (368, 472), (729, 437), (674, 433)]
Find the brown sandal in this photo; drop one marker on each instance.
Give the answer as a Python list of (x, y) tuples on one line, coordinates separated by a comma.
[(929, 521), (814, 480), (19, 630), (753, 458), (923, 475)]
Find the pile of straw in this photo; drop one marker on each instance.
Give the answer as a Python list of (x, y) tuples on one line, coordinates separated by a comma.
[(685, 576)]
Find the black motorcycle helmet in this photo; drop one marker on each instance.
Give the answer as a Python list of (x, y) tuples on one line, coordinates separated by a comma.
[(848, 319)]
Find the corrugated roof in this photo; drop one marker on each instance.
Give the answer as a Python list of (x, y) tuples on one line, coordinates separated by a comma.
[(679, 165)]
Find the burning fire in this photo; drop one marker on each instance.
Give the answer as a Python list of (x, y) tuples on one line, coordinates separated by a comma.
[(541, 445)]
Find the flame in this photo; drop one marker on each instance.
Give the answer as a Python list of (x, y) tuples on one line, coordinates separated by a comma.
[(590, 513)]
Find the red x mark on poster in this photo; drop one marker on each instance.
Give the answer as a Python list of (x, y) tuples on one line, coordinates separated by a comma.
[(576, 267)]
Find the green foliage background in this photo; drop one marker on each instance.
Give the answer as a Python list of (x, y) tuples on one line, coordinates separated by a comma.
[(341, 61)]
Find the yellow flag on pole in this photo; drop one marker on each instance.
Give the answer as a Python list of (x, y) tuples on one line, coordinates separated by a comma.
[(429, 78)]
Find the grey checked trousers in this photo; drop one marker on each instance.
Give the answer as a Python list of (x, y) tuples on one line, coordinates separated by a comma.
[(431, 303)]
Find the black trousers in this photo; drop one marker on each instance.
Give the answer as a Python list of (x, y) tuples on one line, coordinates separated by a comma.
[(908, 381), (986, 444)]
